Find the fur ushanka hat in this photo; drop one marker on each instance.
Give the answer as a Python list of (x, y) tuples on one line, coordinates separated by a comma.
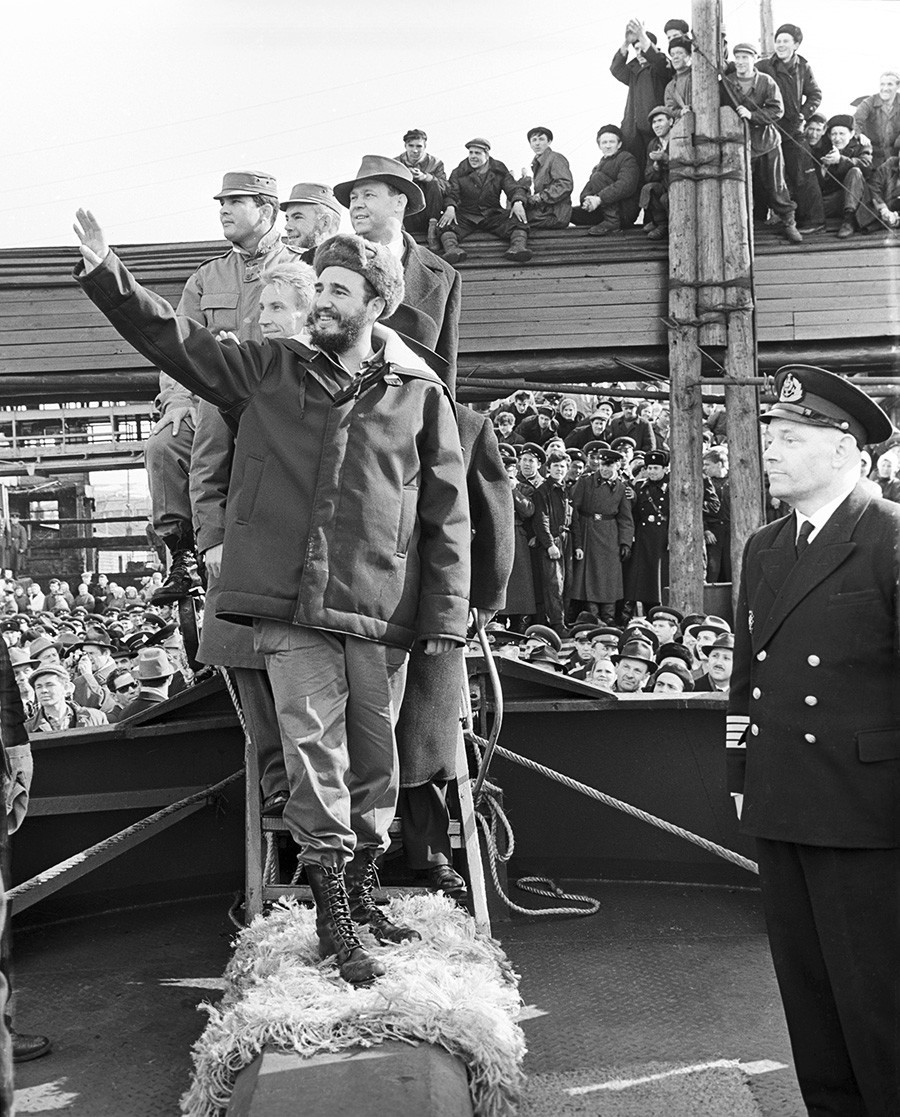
[(374, 262)]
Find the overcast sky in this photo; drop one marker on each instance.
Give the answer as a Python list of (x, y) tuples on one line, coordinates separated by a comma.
[(136, 110)]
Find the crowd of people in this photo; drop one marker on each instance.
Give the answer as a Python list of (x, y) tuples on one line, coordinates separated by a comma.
[(807, 166), (77, 666)]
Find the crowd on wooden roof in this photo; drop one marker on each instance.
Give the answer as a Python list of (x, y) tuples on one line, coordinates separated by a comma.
[(807, 167)]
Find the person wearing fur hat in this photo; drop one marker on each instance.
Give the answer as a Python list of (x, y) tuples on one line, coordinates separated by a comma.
[(336, 595), (677, 95), (548, 203), (801, 96), (844, 173), (382, 195), (539, 428), (646, 74), (429, 175), (473, 205), (757, 101), (671, 678), (609, 198), (676, 29)]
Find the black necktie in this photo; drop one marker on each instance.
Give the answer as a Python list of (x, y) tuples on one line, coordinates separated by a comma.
[(803, 538)]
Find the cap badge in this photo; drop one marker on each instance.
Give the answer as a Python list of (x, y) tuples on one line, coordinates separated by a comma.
[(791, 390)]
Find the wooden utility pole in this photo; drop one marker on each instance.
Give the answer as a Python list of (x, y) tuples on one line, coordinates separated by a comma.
[(686, 572), (741, 397), (707, 32), (766, 28)]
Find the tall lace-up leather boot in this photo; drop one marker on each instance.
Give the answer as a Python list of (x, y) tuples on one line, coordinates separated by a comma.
[(361, 877), (337, 934)]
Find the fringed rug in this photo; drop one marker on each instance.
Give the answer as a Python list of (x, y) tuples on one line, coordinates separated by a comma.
[(455, 989)]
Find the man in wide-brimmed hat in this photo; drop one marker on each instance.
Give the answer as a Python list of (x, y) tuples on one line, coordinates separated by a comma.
[(381, 195)]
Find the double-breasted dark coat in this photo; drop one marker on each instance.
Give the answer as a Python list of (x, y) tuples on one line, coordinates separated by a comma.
[(816, 670), (647, 570)]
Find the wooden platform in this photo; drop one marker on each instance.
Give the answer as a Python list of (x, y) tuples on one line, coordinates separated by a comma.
[(581, 303)]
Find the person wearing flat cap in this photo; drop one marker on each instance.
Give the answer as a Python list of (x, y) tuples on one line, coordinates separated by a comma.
[(801, 96), (336, 595), (55, 709), (223, 295), (654, 196), (757, 100), (473, 205), (603, 535), (549, 201), (429, 175), (813, 740), (609, 200), (381, 196), (844, 172)]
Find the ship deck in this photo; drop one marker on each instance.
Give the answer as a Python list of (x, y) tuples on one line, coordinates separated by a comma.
[(636, 1002)]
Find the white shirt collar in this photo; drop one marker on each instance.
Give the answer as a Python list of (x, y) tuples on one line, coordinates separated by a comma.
[(822, 515)]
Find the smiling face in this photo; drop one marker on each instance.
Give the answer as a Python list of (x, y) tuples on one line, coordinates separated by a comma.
[(785, 46), (609, 143), (477, 157), (661, 124), (840, 136), (301, 225), (376, 212), (282, 312), (655, 472), (341, 310), (679, 58), (887, 87), (743, 63)]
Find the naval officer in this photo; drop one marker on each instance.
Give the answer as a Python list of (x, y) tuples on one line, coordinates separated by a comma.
[(814, 711)]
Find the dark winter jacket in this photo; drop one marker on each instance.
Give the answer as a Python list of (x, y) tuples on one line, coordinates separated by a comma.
[(477, 194), (646, 87), (800, 91), (616, 181), (346, 509)]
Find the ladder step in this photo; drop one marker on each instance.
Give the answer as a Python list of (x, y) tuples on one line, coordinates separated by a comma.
[(278, 826)]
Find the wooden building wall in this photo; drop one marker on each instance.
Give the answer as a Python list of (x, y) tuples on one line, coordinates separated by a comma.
[(581, 303)]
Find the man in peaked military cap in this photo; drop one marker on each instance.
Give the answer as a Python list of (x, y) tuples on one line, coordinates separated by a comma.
[(222, 294), (814, 741)]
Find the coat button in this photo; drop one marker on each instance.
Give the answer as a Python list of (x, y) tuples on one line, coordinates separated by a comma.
[(754, 729), (756, 692), (761, 655), (813, 660), (809, 738), (811, 700)]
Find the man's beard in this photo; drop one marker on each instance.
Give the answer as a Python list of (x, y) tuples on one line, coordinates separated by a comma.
[(340, 334)]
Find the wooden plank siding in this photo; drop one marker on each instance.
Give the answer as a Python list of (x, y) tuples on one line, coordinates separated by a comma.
[(580, 299)]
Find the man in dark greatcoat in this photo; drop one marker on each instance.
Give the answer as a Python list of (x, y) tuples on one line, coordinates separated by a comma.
[(604, 533), (647, 569), (814, 741), (428, 726)]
